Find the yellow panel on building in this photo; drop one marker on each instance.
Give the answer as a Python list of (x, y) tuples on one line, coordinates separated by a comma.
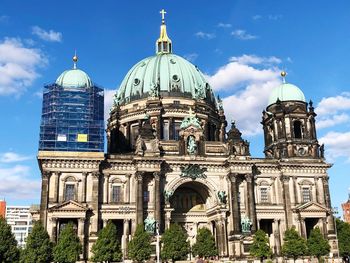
[(82, 137)]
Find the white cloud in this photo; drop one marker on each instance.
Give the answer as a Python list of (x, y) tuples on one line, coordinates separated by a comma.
[(17, 183), (337, 144), (235, 75), (275, 17), (332, 105), (108, 97), (205, 35), (333, 110), (257, 17), (253, 86), (242, 35), (191, 57), (18, 66), (50, 36), (11, 157), (223, 25), (253, 59), (333, 120)]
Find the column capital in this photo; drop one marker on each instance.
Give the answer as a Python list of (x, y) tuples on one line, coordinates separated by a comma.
[(95, 174), (81, 219), (139, 176), (156, 175), (233, 177), (84, 174), (284, 178), (46, 174), (248, 178)]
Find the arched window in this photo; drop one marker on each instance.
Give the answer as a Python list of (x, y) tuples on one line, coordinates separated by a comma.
[(297, 129)]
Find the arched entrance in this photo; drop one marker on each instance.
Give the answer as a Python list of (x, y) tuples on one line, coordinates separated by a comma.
[(195, 206)]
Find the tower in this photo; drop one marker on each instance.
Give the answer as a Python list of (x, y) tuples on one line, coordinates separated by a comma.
[(72, 114), (289, 124)]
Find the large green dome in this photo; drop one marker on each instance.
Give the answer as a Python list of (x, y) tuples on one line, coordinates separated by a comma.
[(286, 92), (170, 74), (74, 78)]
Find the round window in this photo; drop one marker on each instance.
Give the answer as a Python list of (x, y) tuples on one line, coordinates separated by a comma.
[(136, 81), (176, 78)]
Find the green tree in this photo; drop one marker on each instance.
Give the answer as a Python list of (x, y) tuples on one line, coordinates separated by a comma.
[(107, 247), (343, 231), (260, 247), (294, 246), (39, 247), (68, 247), (205, 244), (317, 245), (139, 248), (9, 252), (175, 246)]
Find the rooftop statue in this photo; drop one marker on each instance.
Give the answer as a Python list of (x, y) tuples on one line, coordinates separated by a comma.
[(189, 120)]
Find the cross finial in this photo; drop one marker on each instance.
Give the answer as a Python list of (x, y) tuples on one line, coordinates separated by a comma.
[(162, 12)]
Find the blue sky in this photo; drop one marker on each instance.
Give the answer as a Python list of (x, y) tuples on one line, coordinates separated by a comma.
[(240, 45)]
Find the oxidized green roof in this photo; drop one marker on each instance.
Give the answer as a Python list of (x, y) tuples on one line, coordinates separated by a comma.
[(170, 74), (286, 92), (74, 78)]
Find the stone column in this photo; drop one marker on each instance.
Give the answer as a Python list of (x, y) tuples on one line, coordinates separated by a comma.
[(95, 202), (295, 194), (286, 197), (235, 216), (105, 222), (54, 221), (171, 128), (303, 228), (127, 188), (276, 235), (54, 185), (81, 234), (251, 200), (125, 239), (44, 197), (221, 237), (83, 186), (168, 211), (330, 218), (106, 189), (157, 197), (139, 199), (133, 226)]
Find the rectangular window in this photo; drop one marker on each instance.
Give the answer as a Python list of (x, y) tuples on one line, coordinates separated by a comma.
[(116, 193), (134, 133), (264, 198), (176, 130), (166, 130), (146, 196), (306, 194), (69, 192)]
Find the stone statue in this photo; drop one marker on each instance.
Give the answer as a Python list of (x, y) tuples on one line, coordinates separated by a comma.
[(167, 195), (150, 224), (154, 92), (322, 151), (222, 197), (199, 93), (246, 224), (191, 145), (189, 120)]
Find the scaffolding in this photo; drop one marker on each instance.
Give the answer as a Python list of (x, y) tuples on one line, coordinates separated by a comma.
[(72, 119)]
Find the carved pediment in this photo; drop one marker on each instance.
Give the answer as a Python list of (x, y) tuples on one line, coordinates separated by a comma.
[(69, 206), (311, 207)]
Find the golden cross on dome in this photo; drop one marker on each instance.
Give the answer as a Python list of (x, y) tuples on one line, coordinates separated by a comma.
[(162, 12)]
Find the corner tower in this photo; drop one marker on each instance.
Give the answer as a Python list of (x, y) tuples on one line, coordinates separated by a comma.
[(72, 114), (289, 124)]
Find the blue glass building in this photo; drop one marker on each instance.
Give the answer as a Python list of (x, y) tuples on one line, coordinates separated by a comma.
[(72, 114)]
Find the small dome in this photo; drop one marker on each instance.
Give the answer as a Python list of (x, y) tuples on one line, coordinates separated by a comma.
[(286, 92), (74, 78), (171, 74)]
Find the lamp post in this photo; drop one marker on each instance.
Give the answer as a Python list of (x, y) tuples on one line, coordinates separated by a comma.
[(157, 244)]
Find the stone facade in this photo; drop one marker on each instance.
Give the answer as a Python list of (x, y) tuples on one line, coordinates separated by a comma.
[(214, 187)]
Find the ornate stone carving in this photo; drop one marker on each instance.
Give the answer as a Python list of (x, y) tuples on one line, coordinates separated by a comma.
[(167, 195), (189, 120), (150, 224), (222, 197), (193, 171), (191, 145), (246, 225)]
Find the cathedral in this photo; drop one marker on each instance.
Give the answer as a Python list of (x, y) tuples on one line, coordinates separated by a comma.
[(172, 159)]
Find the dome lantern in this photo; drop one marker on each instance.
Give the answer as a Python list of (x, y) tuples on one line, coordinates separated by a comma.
[(163, 44)]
